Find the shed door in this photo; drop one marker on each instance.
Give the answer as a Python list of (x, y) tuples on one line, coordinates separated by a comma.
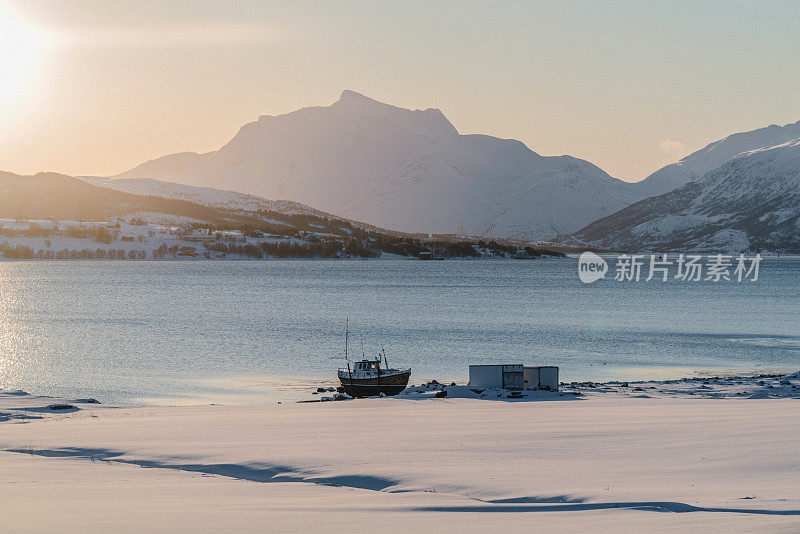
[(512, 380), (531, 377)]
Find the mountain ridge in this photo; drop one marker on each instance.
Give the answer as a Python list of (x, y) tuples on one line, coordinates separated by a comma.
[(692, 167), (752, 202), (409, 170)]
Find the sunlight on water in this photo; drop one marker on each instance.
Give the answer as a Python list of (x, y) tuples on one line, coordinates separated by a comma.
[(14, 340), (199, 332)]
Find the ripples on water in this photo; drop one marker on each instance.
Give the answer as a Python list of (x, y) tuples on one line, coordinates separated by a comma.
[(251, 331)]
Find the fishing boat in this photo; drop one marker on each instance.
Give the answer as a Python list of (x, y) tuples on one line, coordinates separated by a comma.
[(366, 378)]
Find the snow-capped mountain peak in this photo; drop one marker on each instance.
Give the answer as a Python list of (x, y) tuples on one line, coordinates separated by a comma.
[(403, 169), (751, 202), (692, 167)]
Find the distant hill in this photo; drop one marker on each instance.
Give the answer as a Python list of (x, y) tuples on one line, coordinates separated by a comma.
[(752, 202), (265, 228), (408, 170), (58, 196), (64, 197), (230, 200)]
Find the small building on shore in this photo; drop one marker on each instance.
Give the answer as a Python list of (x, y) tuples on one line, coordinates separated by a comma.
[(509, 376), (542, 377), (513, 376)]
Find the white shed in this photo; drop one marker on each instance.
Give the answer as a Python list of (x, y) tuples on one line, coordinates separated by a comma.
[(507, 376), (542, 377)]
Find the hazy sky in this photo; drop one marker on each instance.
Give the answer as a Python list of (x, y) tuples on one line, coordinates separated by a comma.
[(98, 86)]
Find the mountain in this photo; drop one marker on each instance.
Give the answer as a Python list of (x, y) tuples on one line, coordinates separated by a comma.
[(409, 170), (752, 202), (695, 165)]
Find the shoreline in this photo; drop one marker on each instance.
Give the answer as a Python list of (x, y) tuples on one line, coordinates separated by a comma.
[(383, 257), (246, 390)]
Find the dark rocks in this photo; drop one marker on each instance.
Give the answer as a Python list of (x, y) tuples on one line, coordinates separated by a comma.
[(62, 407)]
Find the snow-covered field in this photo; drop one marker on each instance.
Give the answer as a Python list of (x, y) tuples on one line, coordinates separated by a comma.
[(602, 461)]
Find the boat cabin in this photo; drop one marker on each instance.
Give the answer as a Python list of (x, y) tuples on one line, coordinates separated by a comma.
[(367, 366)]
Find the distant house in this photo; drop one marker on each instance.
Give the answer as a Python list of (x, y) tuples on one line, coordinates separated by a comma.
[(525, 254), (428, 255), (128, 238), (187, 252)]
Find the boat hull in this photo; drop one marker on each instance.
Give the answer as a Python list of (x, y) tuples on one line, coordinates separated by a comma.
[(369, 387)]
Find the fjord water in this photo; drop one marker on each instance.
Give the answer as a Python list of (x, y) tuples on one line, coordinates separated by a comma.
[(230, 331)]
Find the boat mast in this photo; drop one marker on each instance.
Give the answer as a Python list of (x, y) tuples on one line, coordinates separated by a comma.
[(349, 372), (379, 375)]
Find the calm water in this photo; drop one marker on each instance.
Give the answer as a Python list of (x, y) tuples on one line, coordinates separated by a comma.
[(248, 331)]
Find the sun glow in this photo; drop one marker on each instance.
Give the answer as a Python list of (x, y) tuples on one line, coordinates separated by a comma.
[(20, 49)]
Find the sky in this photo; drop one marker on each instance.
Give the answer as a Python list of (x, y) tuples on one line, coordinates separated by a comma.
[(95, 87)]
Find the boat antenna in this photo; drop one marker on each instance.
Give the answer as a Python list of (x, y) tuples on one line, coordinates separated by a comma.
[(346, 336), (384, 356), (363, 356)]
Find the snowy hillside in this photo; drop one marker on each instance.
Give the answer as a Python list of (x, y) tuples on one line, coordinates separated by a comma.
[(695, 165), (402, 169), (51, 216), (751, 202), (229, 200)]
